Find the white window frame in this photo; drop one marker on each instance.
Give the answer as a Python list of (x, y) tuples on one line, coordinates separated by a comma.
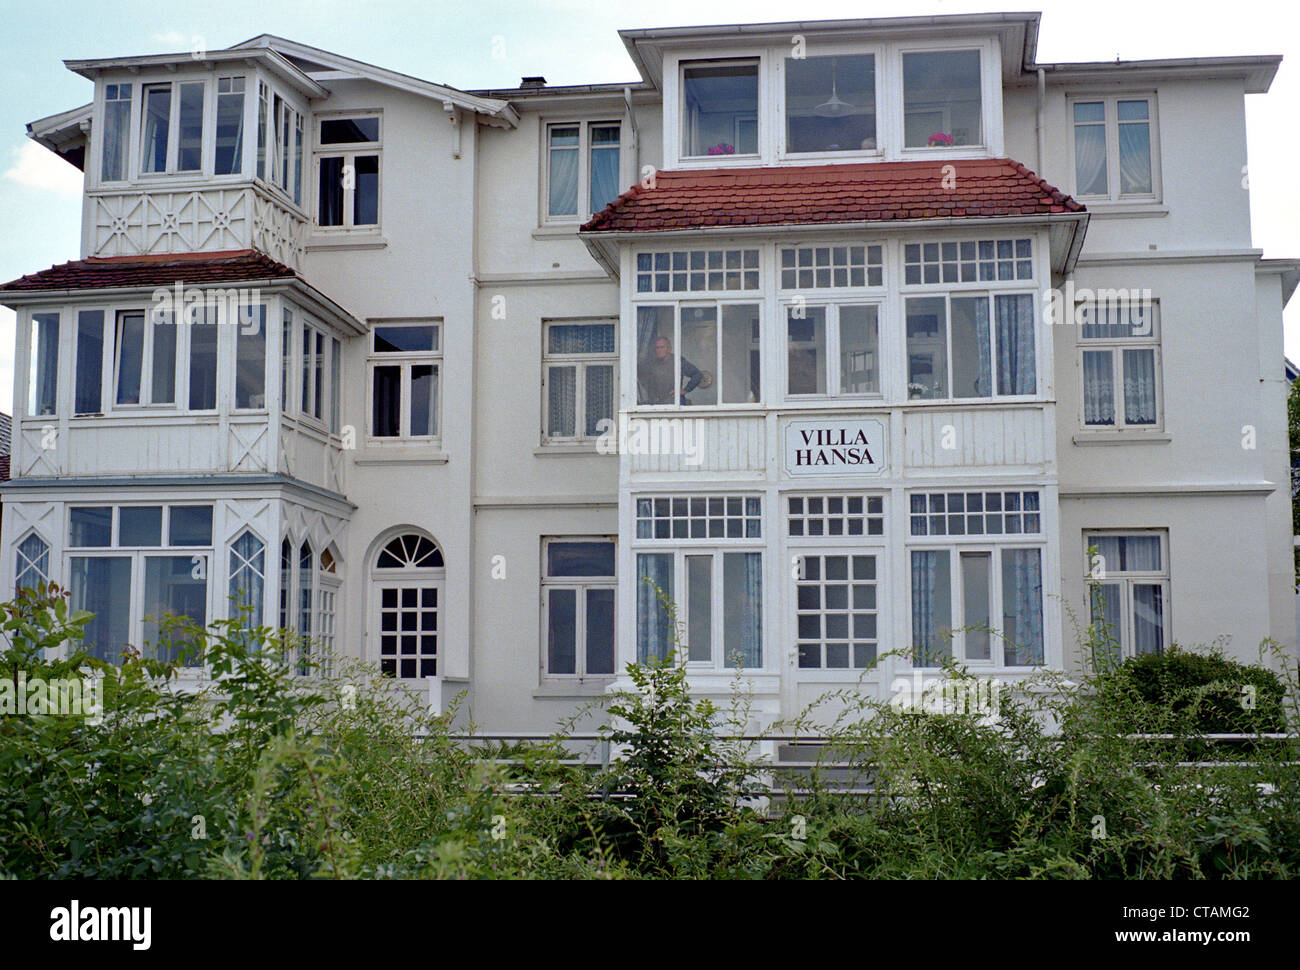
[(584, 126), (1126, 580), (1112, 123), (824, 49), (207, 136), (581, 585), (1116, 347), (151, 319), (763, 124), (756, 299), (581, 362), (405, 361), (381, 578), (832, 307), (990, 99), (348, 151)]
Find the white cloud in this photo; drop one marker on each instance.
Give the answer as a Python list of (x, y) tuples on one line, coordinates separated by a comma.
[(173, 39), (35, 167)]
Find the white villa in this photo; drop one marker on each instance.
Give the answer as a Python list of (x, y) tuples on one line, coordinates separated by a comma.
[(852, 338)]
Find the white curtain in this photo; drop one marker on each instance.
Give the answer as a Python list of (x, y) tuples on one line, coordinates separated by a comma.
[(564, 182), (1090, 159), (1098, 388), (1135, 159), (1015, 322), (1140, 386), (561, 391), (1148, 619)]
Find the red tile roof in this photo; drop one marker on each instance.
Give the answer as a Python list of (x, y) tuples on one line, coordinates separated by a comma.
[(870, 192), (236, 266)]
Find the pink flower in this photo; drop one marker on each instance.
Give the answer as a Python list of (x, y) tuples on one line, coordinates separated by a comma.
[(940, 138), (722, 148)]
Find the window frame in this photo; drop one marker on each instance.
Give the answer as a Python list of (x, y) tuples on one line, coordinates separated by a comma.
[(879, 52), (151, 320), (207, 135), (406, 360), (381, 578), (580, 361), (1116, 346), (348, 152), (582, 585), (584, 124), (832, 366), (762, 109), (990, 99), (757, 299), (1126, 580), (1110, 103)]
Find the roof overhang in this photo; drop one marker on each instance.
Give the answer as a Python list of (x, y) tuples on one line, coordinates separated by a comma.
[(327, 66), (1257, 72), (1017, 33), (1066, 231), (276, 64), (65, 134), (1287, 269)]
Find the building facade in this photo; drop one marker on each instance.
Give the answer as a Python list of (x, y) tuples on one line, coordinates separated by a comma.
[(819, 354)]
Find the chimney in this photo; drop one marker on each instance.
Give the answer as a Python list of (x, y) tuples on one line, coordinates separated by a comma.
[(532, 83)]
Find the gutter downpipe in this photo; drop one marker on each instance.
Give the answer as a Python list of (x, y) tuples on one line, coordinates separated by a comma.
[(1042, 128)]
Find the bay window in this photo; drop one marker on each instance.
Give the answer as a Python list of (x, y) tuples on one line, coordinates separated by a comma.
[(942, 99), (404, 368), (347, 172), (279, 143), (579, 368), (1115, 151), (582, 168), (720, 108), (699, 354), (832, 350), (1129, 591), (578, 585), (830, 104), (971, 346), (1119, 347)]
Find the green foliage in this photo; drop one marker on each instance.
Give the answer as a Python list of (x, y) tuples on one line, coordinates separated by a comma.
[(260, 772)]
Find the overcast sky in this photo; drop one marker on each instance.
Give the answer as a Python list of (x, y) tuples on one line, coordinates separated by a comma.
[(570, 42)]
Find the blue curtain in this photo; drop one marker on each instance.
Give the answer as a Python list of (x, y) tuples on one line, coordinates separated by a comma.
[(1022, 606), (654, 576), (931, 607), (981, 307), (604, 177), (742, 580), (1015, 322)]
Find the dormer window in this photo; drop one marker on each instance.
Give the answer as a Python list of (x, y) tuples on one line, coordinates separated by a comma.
[(942, 102), (830, 104), (172, 128), (720, 104)]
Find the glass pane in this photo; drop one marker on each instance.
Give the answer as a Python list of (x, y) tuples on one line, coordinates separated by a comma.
[(830, 103), (941, 99), (318, 376), (102, 586), (424, 400), (720, 105), (742, 609), (927, 348), (247, 578), (600, 631), (1133, 111), (859, 350), (563, 195), (117, 120), (386, 404), (579, 558), (806, 350), (90, 361), (154, 127), (336, 382), (174, 586), (580, 338), (1089, 111), (203, 365), (330, 211), (599, 405), (699, 606), (189, 157), (1106, 601), (975, 568), (1022, 607), (657, 380), (1017, 366), (972, 374), (346, 131), (139, 525), (1134, 158), (1140, 386), (162, 388), (130, 356), (191, 525), (230, 130), (1098, 388), (561, 401), (604, 167), (1148, 618), (699, 355), (250, 358), (365, 201), (931, 607), (90, 525), (405, 340), (1090, 159), (562, 631), (654, 585), (740, 354), (44, 373)]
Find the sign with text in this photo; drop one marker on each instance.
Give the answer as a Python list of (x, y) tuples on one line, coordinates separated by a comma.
[(835, 446)]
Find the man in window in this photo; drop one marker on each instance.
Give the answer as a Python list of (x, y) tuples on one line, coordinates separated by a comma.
[(658, 378)]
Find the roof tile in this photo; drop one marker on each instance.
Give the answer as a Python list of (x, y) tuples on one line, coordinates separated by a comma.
[(95, 273)]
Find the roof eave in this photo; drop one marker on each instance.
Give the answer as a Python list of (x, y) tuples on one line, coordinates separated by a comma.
[(1257, 72), (90, 69)]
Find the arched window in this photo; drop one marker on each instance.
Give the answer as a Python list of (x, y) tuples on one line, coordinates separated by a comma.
[(33, 566), (247, 578), (407, 594)]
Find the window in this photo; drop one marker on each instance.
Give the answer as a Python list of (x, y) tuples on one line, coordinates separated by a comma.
[(313, 372), (230, 126), (405, 361), (719, 361), (327, 598), (836, 611), (958, 345), (250, 358), (87, 390), (203, 360), (247, 578), (1119, 346), (43, 377), (117, 124), (145, 359), (697, 271), (824, 267), (32, 566), (279, 143), (336, 382), (968, 261), (1129, 590), (582, 176), (720, 108), (171, 128), (942, 100), (716, 592), (830, 104), (1115, 155), (976, 513), (815, 516), (152, 563), (306, 603), (578, 587), (348, 172), (957, 592), (579, 368), (832, 351), (408, 582)]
